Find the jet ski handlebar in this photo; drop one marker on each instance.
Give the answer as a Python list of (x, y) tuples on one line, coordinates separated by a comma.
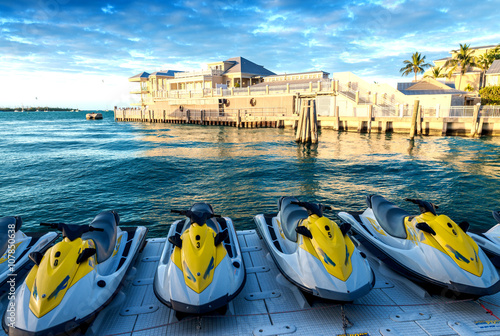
[(71, 231), (198, 217), (424, 206), (313, 208)]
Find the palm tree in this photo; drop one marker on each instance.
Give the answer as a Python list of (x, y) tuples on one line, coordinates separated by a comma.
[(483, 62), (416, 65), (436, 72), (486, 60), (463, 58)]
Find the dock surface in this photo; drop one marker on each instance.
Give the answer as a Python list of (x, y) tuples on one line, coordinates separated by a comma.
[(270, 305)]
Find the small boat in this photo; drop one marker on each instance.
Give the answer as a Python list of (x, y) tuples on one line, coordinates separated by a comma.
[(94, 116)]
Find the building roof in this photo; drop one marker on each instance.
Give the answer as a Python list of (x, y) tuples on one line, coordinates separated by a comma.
[(300, 73), (169, 73), (494, 68), (245, 66), (481, 47), (428, 86), (143, 74), (431, 92)]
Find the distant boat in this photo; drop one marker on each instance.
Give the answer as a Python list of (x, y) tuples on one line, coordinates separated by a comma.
[(94, 116)]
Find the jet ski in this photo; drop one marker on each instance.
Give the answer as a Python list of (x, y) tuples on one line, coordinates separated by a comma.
[(313, 252), (15, 247), (201, 267), (75, 279), (489, 241), (428, 248)]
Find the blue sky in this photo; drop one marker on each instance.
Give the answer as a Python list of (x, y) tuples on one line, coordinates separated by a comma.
[(80, 53)]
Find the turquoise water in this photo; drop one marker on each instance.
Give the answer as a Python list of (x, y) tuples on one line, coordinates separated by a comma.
[(58, 166)]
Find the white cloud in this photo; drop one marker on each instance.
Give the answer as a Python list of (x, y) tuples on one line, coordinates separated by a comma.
[(19, 39), (108, 9)]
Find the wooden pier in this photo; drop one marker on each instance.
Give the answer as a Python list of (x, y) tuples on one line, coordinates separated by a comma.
[(472, 121), (241, 118)]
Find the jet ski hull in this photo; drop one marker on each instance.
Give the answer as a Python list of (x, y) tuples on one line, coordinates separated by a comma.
[(28, 242), (433, 270), (102, 288), (229, 276), (307, 272), (489, 242)]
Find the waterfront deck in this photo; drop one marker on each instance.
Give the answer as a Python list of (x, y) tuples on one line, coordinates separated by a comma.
[(270, 305), (345, 102), (462, 121)]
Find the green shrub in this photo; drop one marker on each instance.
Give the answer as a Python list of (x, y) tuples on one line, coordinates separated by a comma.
[(490, 95)]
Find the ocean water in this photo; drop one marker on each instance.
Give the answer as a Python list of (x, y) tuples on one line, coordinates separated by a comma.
[(58, 166)]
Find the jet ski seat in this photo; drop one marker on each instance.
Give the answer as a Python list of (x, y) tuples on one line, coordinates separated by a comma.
[(389, 216), (291, 214), (105, 241), (4, 230)]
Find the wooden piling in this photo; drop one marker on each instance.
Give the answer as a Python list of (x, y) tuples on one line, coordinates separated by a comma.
[(475, 122), (300, 123), (370, 118), (304, 123), (413, 125), (307, 128), (314, 123)]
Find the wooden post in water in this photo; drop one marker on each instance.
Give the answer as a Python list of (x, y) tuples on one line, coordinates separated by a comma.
[(238, 119), (475, 116), (304, 122), (413, 125), (314, 123), (336, 121), (370, 118), (419, 120), (300, 123), (307, 128)]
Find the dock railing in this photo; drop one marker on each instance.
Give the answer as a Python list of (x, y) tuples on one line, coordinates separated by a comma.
[(490, 111)]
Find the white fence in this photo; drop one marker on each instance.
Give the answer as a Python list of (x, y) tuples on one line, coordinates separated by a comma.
[(491, 111)]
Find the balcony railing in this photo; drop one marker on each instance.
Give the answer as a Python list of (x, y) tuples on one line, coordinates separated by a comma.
[(209, 72)]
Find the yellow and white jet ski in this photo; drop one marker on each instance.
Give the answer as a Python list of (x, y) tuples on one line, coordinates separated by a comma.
[(313, 252), (201, 267), (489, 241), (429, 249), (75, 279), (15, 247)]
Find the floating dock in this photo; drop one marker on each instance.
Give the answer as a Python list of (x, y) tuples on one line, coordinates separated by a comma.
[(270, 305)]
